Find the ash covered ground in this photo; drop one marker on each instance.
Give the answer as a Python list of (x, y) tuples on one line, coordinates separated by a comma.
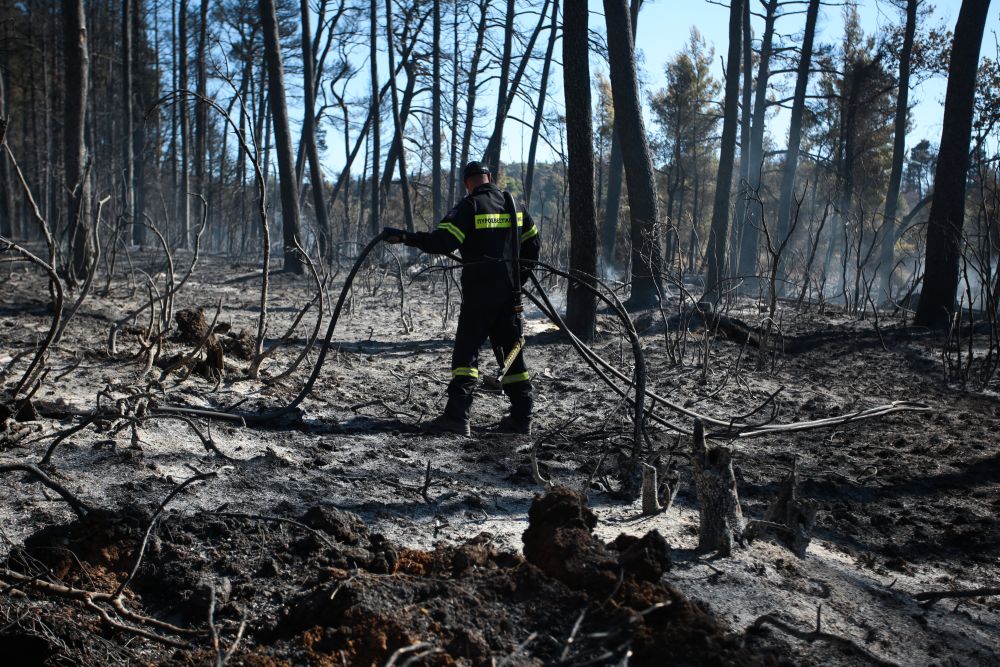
[(344, 536)]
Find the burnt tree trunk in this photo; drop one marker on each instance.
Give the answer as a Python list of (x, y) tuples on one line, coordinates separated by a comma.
[(436, 115), (290, 225), (795, 131), (492, 154), (536, 128), (750, 236), (398, 123), (715, 254), (643, 204), (612, 207), (6, 192), (721, 521), (375, 116), (944, 226), (76, 58), (472, 85), (581, 303), (898, 154), (309, 135), (182, 111)]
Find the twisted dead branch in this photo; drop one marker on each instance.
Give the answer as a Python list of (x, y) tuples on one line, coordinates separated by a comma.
[(89, 280), (81, 508), (57, 307)]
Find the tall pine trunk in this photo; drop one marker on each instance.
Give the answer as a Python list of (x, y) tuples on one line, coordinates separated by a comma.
[(309, 136), (492, 154), (898, 154), (581, 303), (612, 207), (76, 59), (643, 205), (374, 222), (397, 122), (290, 225), (472, 85), (543, 87), (200, 108), (947, 216), (715, 254), (750, 238), (185, 207), (795, 131), (6, 186), (436, 115)]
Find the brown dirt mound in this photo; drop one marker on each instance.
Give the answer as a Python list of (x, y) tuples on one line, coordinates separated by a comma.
[(241, 345), (191, 325), (323, 590)]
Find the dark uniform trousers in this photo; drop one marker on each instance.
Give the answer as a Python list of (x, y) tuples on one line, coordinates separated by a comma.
[(487, 316)]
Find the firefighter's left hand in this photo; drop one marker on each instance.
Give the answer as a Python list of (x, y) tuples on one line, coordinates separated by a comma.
[(393, 235)]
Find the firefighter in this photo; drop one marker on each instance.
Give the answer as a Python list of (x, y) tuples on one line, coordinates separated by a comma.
[(479, 227)]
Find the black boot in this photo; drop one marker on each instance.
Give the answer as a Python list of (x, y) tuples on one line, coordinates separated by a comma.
[(446, 424)]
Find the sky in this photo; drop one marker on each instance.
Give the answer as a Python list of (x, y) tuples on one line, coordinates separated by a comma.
[(658, 45), (663, 29)]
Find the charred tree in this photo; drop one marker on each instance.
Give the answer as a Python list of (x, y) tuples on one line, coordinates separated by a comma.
[(182, 111), (944, 226), (436, 115), (309, 135), (6, 192), (795, 128), (898, 153), (492, 154), (536, 128), (721, 521), (404, 184), (643, 205), (375, 113), (290, 225), (749, 238), (472, 85), (715, 254), (609, 230), (581, 303), (76, 60), (128, 148), (200, 108)]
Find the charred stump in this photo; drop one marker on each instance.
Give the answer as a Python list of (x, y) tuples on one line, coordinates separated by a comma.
[(720, 517), (789, 517)]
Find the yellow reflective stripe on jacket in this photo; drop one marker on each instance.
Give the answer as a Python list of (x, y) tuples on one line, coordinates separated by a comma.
[(465, 371), (453, 230), (515, 377), (531, 233), (497, 220)]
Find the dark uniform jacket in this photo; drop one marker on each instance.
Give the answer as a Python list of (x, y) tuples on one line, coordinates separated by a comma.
[(479, 227)]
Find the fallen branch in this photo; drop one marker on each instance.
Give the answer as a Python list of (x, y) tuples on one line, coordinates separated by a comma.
[(6, 245), (81, 508), (930, 597), (812, 635)]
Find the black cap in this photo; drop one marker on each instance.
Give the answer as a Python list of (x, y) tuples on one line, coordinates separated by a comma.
[(474, 169)]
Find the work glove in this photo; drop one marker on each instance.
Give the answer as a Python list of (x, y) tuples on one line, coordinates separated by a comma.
[(393, 235)]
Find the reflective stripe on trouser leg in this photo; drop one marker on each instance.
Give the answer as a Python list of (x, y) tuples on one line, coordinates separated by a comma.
[(472, 331)]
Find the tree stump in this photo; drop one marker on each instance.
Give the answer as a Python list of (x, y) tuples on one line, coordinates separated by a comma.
[(788, 511), (721, 521)]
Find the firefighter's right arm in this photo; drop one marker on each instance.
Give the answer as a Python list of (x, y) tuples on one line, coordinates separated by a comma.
[(449, 235)]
